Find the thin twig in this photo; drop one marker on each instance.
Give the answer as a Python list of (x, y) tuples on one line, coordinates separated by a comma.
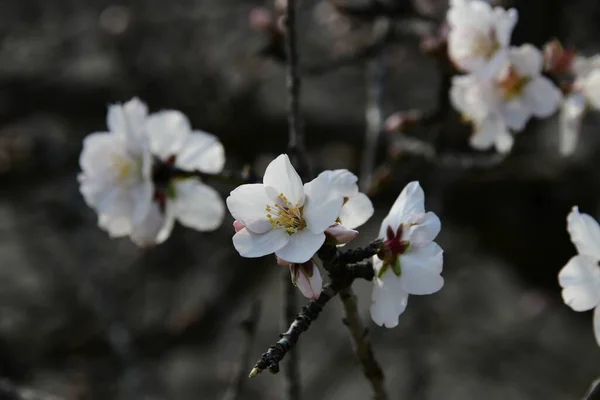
[(290, 305), (375, 81), (362, 344), (236, 387)]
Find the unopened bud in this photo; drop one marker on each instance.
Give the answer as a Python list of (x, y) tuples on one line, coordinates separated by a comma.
[(339, 234)]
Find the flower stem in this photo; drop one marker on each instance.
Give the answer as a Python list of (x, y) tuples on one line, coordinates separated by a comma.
[(290, 305)]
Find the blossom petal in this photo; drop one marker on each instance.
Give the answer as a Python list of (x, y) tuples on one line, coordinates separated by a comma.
[(487, 133), (571, 116), (281, 177), (203, 152), (585, 233), (168, 224), (591, 87), (323, 204), (128, 122), (301, 246), (247, 204), (542, 97), (516, 114), (424, 229), (167, 132), (389, 300), (356, 211), (580, 280), (145, 233), (411, 201), (342, 180), (505, 21), (197, 206), (421, 268), (527, 60), (254, 245)]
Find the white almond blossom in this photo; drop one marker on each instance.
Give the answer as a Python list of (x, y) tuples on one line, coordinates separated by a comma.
[(116, 177), (479, 36), (506, 102), (357, 208), (283, 216), (179, 149), (580, 278), (585, 94), (129, 174), (411, 262)]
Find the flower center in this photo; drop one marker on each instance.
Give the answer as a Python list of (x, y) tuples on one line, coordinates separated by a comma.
[(393, 248), (513, 84), (284, 215), (127, 171), (485, 45)]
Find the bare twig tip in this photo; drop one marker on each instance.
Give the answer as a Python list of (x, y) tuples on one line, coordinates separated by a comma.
[(255, 371)]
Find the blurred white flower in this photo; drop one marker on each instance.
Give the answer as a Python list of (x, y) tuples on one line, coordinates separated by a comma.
[(129, 174), (584, 94), (357, 208), (479, 36), (177, 148), (507, 101), (281, 215), (411, 262), (580, 278), (116, 173)]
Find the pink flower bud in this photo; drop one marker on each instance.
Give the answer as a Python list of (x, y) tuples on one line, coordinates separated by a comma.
[(340, 234), (282, 262), (307, 278), (260, 19), (238, 226)]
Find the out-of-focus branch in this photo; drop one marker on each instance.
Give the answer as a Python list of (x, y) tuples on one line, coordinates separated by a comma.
[(236, 386), (594, 392), (8, 391)]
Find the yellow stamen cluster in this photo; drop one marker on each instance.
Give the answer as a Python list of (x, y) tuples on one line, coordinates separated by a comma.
[(126, 169), (284, 215), (485, 45), (513, 84)]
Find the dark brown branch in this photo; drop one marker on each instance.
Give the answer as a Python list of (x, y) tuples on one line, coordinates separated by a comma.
[(236, 387)]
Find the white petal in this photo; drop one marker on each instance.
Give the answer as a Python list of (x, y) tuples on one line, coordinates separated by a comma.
[(585, 233), (310, 287), (527, 60), (542, 97), (423, 229), (323, 204), (167, 132), (597, 324), (197, 206), (201, 151), (301, 246), (421, 268), (580, 280), (591, 87), (389, 301), (168, 224), (411, 201), (487, 132), (505, 23), (516, 114), (254, 245), (356, 211), (342, 180), (115, 225), (571, 116), (281, 177), (128, 122), (145, 233), (247, 204), (504, 143), (340, 234)]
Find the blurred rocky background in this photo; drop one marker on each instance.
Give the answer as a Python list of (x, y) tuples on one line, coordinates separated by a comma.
[(86, 317)]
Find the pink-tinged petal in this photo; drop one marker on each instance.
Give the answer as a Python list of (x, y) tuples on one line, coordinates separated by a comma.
[(323, 204), (282, 262), (203, 152), (580, 280), (421, 268), (356, 211), (389, 300), (167, 133), (197, 206), (281, 177), (301, 246), (309, 286), (423, 229), (254, 245), (571, 116), (411, 201), (340, 234), (585, 233), (247, 204), (542, 97), (238, 226)]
